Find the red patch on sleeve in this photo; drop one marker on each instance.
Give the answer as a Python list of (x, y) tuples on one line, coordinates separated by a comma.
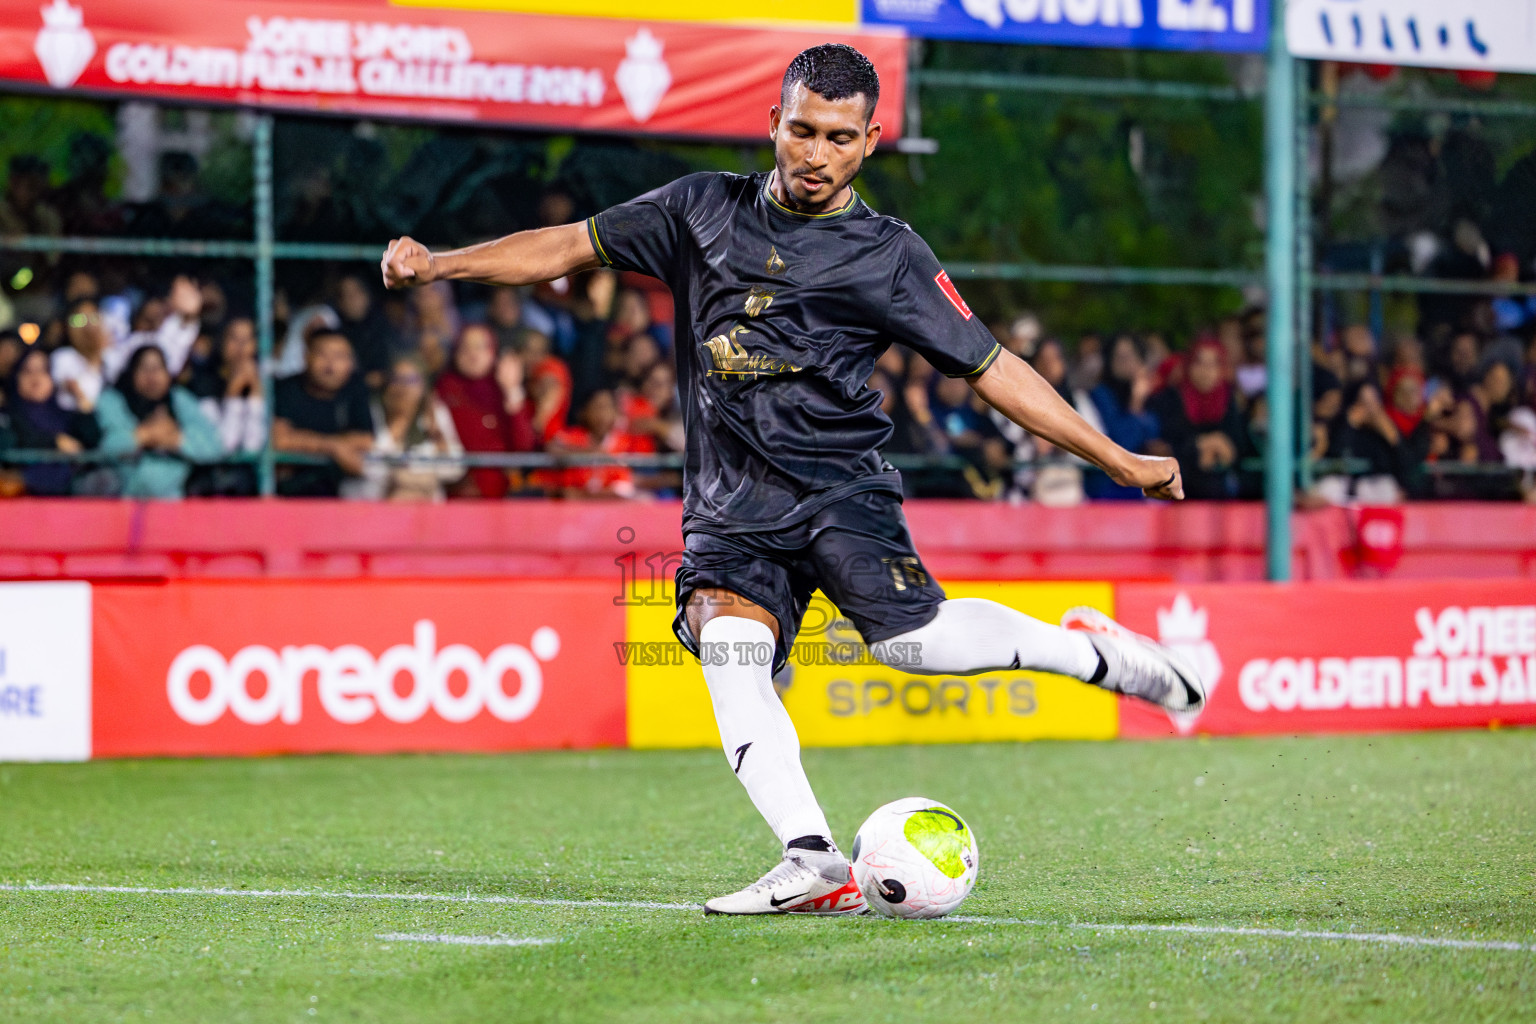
[(948, 288)]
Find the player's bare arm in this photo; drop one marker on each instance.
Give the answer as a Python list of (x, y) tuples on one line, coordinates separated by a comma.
[(1013, 388), (527, 257)]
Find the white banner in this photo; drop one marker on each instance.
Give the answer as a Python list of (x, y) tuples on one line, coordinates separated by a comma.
[(45, 671), (1481, 35)]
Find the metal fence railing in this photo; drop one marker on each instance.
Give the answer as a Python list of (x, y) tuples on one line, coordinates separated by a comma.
[(263, 250)]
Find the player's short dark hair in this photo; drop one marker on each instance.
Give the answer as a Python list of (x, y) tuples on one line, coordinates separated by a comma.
[(834, 71)]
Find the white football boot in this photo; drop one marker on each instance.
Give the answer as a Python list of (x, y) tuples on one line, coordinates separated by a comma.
[(1139, 666), (804, 882)]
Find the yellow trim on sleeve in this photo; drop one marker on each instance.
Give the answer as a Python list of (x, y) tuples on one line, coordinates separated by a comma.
[(597, 242), (981, 367)]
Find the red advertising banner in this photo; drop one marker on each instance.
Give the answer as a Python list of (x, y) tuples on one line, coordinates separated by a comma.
[(1342, 657), (217, 668), (371, 58)]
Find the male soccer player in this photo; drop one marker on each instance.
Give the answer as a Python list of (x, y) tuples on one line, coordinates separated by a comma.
[(787, 288)]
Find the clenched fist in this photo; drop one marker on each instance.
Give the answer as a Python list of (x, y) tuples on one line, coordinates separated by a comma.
[(1157, 477), (407, 264)]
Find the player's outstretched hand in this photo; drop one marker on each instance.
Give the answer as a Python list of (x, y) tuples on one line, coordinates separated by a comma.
[(407, 264), (1157, 477)]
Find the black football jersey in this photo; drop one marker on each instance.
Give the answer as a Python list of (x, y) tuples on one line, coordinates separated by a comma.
[(780, 318)]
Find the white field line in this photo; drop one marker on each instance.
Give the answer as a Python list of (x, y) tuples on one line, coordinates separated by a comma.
[(420, 897), (463, 940), (1375, 938), (1372, 938)]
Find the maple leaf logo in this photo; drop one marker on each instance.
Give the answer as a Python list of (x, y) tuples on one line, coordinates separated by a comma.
[(1184, 628)]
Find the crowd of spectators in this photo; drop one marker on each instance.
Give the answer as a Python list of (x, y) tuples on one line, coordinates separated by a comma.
[(161, 392), (156, 389), (381, 395), (1452, 415)]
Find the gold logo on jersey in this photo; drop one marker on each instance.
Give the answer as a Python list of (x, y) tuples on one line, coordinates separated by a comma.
[(758, 299), (775, 265), (731, 358), (906, 572)]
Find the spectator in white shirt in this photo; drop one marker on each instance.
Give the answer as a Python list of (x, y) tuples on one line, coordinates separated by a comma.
[(173, 334), (79, 366), (409, 420), (230, 393)]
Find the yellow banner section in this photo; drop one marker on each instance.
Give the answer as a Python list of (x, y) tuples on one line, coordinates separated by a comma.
[(841, 14), (839, 697)]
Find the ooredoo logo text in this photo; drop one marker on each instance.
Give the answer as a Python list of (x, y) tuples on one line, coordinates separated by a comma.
[(259, 684)]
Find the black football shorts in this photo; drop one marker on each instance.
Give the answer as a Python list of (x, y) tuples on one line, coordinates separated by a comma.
[(857, 550)]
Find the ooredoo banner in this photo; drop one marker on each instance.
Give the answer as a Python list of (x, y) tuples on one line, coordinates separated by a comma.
[(1343, 657), (214, 668), (370, 57)]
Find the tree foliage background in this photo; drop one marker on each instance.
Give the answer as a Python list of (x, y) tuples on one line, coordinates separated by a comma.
[(1019, 177), (1046, 178)]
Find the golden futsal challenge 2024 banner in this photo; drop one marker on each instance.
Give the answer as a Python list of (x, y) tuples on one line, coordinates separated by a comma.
[(373, 58)]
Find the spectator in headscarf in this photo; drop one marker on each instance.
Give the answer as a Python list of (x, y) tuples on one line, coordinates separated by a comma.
[(36, 421), (1199, 419), (229, 392), (146, 414), (1121, 401), (1407, 408), (489, 406)]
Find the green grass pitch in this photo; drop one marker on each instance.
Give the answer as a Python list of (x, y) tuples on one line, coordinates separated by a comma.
[(1429, 836)]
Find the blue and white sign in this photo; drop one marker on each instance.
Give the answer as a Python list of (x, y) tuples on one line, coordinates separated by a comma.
[(1483, 35), (1229, 25), (45, 671)]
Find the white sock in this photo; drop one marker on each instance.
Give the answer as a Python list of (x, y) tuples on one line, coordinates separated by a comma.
[(755, 730), (970, 634)]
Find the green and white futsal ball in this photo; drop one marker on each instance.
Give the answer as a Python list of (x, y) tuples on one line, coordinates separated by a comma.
[(915, 858)]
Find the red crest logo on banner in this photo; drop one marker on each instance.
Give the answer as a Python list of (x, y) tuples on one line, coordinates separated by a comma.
[(372, 58)]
